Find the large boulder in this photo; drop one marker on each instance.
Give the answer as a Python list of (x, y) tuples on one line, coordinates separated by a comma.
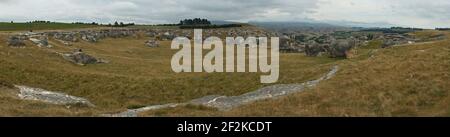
[(167, 36), (152, 43), (89, 38), (340, 48), (314, 49), (67, 37), (289, 46), (41, 42), (388, 43), (16, 41), (81, 58)]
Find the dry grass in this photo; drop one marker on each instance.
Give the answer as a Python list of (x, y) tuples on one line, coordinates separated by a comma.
[(136, 76), (399, 81)]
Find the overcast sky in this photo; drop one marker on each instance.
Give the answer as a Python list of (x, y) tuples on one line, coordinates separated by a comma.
[(413, 13)]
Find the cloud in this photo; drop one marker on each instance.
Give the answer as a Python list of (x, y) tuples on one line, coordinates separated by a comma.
[(418, 13), (151, 11)]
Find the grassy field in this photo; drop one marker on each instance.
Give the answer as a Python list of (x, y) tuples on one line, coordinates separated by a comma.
[(136, 76), (6, 26), (400, 81)]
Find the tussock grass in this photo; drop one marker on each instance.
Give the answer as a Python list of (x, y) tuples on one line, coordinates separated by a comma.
[(400, 81), (136, 76)]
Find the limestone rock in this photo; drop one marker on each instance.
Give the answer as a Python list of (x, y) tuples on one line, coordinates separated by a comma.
[(152, 43), (41, 42), (81, 58), (15, 41), (29, 93)]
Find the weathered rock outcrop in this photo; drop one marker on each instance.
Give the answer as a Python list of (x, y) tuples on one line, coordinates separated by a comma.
[(314, 49), (226, 103), (41, 42), (152, 43), (15, 41), (29, 93), (89, 38), (66, 37), (81, 58), (340, 48)]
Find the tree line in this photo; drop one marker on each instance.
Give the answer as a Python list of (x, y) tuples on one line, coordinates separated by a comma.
[(195, 21), (443, 29), (198, 23), (115, 24)]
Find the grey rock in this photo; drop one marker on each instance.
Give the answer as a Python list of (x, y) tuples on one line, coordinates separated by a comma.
[(340, 48), (41, 42), (15, 41), (89, 38), (29, 93), (67, 37), (81, 58), (152, 43), (314, 49), (225, 103)]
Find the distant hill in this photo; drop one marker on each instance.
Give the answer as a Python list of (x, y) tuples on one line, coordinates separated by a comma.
[(312, 25), (297, 26), (222, 22)]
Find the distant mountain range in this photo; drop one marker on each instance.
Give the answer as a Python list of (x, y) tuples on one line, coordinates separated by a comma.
[(317, 25), (222, 22), (297, 26), (362, 24)]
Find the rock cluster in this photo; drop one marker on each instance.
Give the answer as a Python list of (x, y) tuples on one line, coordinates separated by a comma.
[(40, 41), (95, 36), (341, 48), (81, 58), (65, 36), (390, 40)]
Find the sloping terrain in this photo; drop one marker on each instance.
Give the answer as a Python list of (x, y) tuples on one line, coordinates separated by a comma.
[(135, 76), (407, 80)]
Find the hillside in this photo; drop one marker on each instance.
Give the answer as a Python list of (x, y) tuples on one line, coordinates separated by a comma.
[(410, 80), (135, 76), (298, 26)]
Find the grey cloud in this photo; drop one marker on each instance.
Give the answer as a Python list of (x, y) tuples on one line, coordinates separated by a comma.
[(402, 12)]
